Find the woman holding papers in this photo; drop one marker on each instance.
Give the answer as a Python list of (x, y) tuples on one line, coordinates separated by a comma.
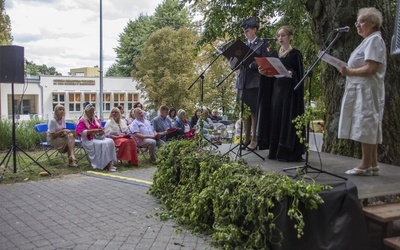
[(286, 103), (364, 96)]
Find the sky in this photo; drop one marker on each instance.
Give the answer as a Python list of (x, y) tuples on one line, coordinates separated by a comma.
[(65, 34)]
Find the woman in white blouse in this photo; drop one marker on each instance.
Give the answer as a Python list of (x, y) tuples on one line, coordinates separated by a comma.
[(59, 137), (364, 96)]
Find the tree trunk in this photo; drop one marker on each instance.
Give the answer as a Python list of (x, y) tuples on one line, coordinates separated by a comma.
[(327, 15)]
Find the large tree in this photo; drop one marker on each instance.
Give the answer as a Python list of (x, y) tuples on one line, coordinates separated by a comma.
[(135, 34), (165, 69), (313, 20), (5, 26)]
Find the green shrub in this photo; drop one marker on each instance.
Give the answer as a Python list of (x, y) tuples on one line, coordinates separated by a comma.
[(5, 134), (231, 200), (25, 134)]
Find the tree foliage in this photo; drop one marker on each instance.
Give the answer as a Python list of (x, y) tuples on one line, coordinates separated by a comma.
[(165, 68), (136, 33), (36, 70), (5, 26)]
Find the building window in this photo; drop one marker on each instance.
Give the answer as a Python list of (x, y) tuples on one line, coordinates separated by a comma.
[(58, 98), (119, 99), (89, 97), (74, 102), (132, 99), (106, 102)]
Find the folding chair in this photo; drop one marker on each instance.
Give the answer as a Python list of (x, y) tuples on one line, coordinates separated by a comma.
[(78, 143), (41, 130), (143, 152)]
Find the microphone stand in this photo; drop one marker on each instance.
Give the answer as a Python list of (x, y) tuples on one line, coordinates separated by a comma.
[(201, 77), (304, 169), (239, 65)]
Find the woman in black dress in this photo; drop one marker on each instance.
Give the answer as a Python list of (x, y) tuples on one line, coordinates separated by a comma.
[(286, 103)]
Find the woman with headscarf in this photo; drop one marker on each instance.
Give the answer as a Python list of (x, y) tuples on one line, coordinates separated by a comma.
[(117, 130), (101, 151), (59, 137)]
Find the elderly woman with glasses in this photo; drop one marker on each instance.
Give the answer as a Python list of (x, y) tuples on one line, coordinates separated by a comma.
[(101, 150), (185, 125), (59, 137), (117, 130), (364, 96)]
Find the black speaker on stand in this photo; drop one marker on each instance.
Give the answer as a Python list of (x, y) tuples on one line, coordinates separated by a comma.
[(12, 71)]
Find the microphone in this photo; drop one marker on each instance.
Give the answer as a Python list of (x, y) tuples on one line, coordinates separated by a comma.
[(226, 45), (342, 29), (273, 39)]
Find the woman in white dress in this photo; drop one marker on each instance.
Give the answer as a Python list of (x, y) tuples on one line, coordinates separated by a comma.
[(364, 97), (101, 150), (59, 137)]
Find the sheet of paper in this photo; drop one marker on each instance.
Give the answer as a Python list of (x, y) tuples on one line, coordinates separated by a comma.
[(273, 66), (335, 62)]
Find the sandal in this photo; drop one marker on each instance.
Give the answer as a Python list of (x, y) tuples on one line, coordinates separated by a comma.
[(359, 171), (72, 163), (375, 171)]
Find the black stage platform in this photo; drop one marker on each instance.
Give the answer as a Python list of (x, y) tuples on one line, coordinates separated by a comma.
[(388, 183)]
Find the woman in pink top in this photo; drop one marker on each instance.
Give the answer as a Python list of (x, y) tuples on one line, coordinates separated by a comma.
[(101, 150)]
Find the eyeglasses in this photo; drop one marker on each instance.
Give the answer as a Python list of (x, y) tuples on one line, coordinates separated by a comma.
[(360, 22), (113, 112)]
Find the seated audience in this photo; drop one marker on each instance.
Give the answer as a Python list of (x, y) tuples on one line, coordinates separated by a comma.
[(145, 135), (172, 115), (121, 109), (207, 128), (239, 130), (131, 116), (100, 150), (117, 130), (139, 105), (195, 117), (59, 137), (183, 124), (214, 116), (163, 126)]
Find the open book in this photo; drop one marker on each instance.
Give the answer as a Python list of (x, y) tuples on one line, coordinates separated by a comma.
[(331, 60), (273, 66), (238, 52)]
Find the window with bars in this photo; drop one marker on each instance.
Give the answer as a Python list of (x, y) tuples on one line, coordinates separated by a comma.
[(74, 101), (132, 99), (89, 97), (106, 101), (119, 99), (58, 98)]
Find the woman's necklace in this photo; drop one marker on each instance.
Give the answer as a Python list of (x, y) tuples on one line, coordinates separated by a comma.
[(283, 52)]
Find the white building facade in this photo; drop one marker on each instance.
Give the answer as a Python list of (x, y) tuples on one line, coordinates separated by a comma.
[(38, 96)]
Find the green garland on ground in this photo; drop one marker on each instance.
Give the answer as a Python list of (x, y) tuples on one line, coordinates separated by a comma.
[(234, 202)]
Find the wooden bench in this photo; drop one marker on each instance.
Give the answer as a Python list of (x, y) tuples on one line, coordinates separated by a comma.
[(384, 215), (393, 242)]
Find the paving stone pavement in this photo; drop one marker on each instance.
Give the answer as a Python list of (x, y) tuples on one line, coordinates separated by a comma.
[(86, 212)]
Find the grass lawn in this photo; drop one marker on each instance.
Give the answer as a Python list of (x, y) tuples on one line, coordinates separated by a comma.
[(57, 166)]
